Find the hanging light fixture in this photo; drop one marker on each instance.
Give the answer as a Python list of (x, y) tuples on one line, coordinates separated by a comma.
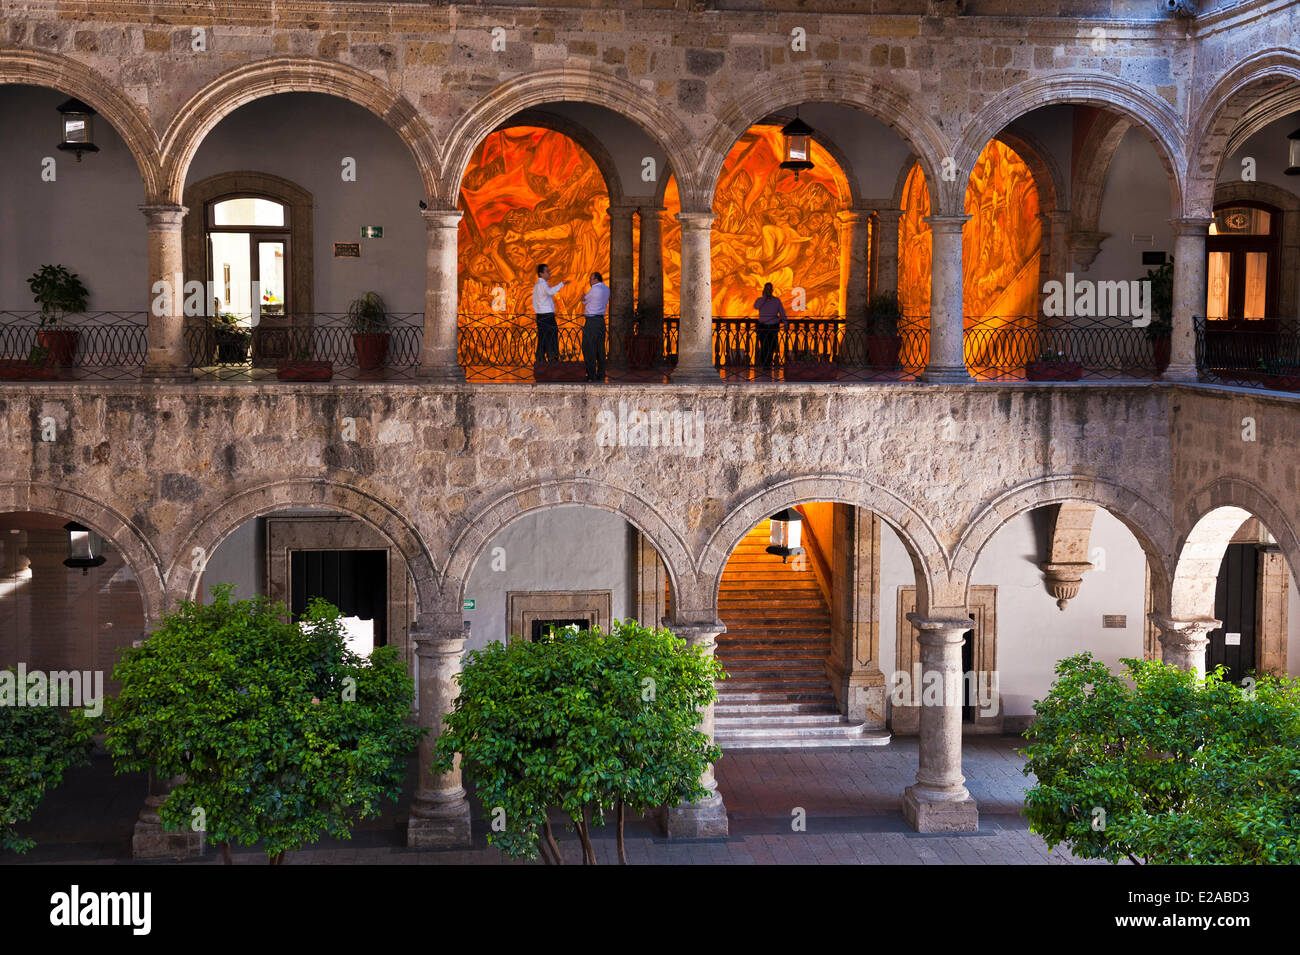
[(84, 547), (77, 128), (798, 145), (787, 533), (1293, 167)]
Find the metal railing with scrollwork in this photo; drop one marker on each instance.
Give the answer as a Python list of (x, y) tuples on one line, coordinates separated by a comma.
[(85, 346), (1253, 353), (1018, 347)]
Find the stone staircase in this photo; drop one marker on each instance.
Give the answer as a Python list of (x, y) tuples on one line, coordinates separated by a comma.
[(774, 651)]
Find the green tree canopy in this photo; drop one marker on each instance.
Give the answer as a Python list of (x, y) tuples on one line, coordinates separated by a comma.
[(586, 722), (1165, 768), (282, 733)]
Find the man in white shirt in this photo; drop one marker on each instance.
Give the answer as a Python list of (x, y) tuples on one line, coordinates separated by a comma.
[(594, 304), (548, 332)]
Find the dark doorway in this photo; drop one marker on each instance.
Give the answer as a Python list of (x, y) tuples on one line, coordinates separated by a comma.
[(1233, 644), (968, 701), (540, 627), (355, 581)]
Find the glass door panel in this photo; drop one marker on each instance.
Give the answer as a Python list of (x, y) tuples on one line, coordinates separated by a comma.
[(1220, 268), (1256, 285), (270, 272)]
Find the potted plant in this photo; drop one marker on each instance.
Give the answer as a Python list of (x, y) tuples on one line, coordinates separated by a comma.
[(1280, 374), (232, 340), (1162, 313), (806, 364), (1052, 365), (368, 316), (884, 344), (645, 344), (57, 291), (38, 365), (302, 367)]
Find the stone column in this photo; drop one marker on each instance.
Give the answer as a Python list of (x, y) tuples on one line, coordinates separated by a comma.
[(947, 327), (150, 840), (651, 293), (695, 330), (621, 299), (439, 812), (438, 357), (887, 249), (708, 817), (1190, 293), (1183, 642), (853, 666), (167, 358), (855, 265), (939, 800)]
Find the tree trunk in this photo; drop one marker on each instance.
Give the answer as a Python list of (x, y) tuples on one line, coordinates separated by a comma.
[(277, 859), (584, 833), (622, 849), (550, 841), (225, 854)]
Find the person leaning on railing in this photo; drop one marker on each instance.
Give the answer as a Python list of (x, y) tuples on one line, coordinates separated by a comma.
[(771, 313)]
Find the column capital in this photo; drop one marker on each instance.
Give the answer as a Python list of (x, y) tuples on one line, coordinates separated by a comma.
[(695, 221), (441, 218), (889, 215), (941, 629), (437, 642), (623, 209), (650, 208), (939, 223), (164, 215), (704, 633), (853, 216), (1191, 225), (1190, 634)]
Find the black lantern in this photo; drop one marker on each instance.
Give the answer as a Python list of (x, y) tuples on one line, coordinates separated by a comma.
[(787, 533), (78, 128), (1293, 160), (84, 547), (798, 146)]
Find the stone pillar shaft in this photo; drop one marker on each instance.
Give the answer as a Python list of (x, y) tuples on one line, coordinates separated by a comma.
[(439, 812), (621, 298), (438, 357), (167, 358), (939, 801), (855, 265), (887, 249), (651, 292), (1190, 294), (707, 817), (947, 363), (1183, 642), (695, 331)]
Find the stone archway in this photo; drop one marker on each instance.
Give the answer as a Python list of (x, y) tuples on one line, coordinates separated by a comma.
[(136, 549), (200, 541), (194, 120), (34, 68)]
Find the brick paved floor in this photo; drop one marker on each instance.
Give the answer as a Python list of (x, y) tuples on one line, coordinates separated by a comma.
[(851, 800)]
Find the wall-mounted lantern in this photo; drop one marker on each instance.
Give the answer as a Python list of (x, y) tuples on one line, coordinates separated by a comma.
[(787, 534), (1293, 159), (798, 146), (77, 128), (85, 547)]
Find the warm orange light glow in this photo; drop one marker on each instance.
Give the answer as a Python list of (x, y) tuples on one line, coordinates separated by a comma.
[(1000, 243), (530, 195), (769, 227)]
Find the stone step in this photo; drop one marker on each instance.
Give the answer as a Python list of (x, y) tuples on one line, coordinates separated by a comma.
[(839, 729), (764, 670), (765, 705), (752, 684), (730, 723), (809, 650), (796, 741), (783, 662), (770, 698)]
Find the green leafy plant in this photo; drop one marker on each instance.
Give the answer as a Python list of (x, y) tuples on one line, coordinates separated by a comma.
[(368, 314), (38, 744), (1162, 300), (282, 733), (585, 722), (1160, 767), (57, 291), (1051, 354), (883, 314)]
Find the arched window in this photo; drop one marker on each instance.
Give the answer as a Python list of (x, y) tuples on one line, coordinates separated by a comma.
[(1244, 247), (248, 249)]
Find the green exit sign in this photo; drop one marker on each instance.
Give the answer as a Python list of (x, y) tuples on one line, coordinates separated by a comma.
[(372, 232), (469, 605)]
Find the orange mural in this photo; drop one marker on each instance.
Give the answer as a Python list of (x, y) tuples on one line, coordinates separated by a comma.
[(1000, 243), (768, 227), (530, 195)]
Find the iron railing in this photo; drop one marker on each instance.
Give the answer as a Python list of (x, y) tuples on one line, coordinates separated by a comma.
[(1253, 353), (1029, 347), (227, 352), (92, 346)]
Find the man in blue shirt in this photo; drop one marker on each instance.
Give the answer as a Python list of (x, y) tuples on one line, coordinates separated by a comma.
[(594, 304), (771, 313)]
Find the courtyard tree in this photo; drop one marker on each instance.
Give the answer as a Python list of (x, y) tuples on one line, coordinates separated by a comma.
[(281, 733), (585, 722), (38, 745), (1162, 767)]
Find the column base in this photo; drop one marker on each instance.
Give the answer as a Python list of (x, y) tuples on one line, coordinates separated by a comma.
[(444, 825), (1181, 373), (166, 373), (694, 375), (929, 810), (946, 374), (441, 375), (706, 819), (151, 841)]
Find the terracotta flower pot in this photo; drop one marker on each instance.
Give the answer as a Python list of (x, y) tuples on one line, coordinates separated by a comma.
[(61, 343), (1160, 349), (304, 370), (883, 350), (21, 369), (1053, 371), (559, 371), (372, 349)]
